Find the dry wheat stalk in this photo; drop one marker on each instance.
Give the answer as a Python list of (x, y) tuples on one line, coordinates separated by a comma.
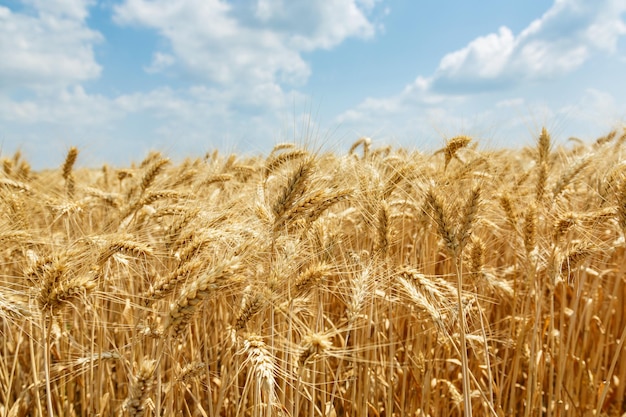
[(359, 291), (281, 147), (469, 168), (329, 199), (110, 199), (13, 308), (14, 236), (70, 159), (7, 167), (398, 176), (381, 152), (192, 247), (152, 157), (422, 302), (178, 224), (606, 139), (300, 209)]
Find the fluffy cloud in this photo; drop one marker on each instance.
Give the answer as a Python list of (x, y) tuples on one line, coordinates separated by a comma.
[(316, 24), (72, 9), (247, 42), (68, 106), (559, 42), (49, 47)]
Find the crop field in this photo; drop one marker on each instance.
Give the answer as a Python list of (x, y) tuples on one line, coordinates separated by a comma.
[(377, 282)]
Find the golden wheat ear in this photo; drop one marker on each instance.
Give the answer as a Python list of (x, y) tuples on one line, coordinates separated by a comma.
[(296, 186), (453, 146), (68, 164), (141, 388), (195, 292), (66, 171), (543, 146), (440, 218), (468, 217), (279, 160), (365, 142)]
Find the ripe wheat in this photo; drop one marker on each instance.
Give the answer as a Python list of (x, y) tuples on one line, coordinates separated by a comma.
[(387, 282)]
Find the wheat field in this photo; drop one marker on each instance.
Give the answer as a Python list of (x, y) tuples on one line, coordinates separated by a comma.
[(379, 282)]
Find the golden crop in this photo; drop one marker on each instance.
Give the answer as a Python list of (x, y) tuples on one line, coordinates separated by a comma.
[(382, 282)]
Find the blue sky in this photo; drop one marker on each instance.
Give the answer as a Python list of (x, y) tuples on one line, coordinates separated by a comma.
[(118, 78)]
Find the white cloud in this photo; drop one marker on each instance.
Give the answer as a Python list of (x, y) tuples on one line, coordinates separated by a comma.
[(68, 106), (316, 24), (415, 97), (484, 57), (52, 47), (605, 32), (160, 62), (73, 9), (559, 42), (597, 107), (247, 42), (211, 44)]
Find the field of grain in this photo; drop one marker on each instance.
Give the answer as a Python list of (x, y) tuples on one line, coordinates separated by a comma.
[(379, 282)]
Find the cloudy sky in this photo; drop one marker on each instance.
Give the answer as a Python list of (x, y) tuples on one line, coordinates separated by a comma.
[(120, 77)]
